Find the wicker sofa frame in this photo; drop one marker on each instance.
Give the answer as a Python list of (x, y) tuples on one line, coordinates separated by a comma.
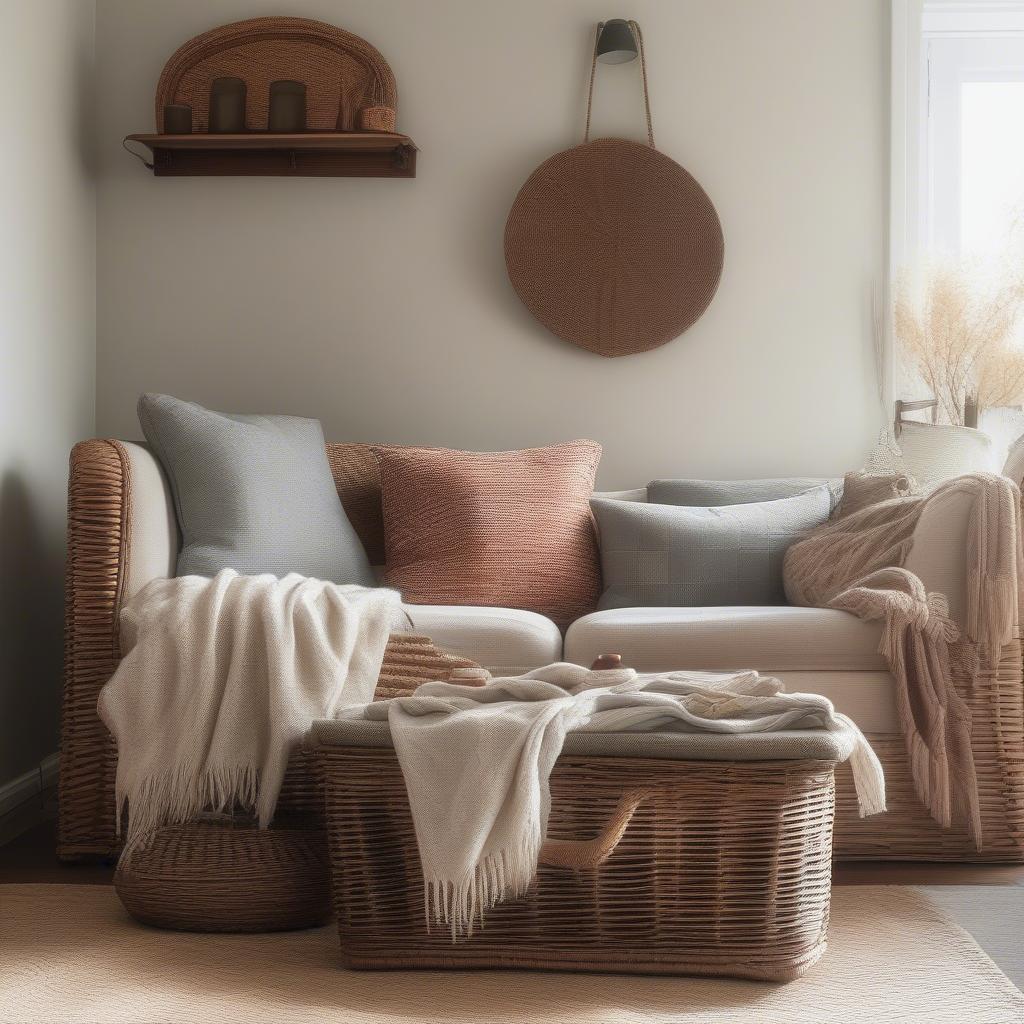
[(99, 542)]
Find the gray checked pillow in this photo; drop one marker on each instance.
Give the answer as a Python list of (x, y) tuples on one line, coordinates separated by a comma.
[(252, 493), (659, 556)]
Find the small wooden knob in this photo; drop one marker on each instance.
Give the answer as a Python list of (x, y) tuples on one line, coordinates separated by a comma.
[(606, 661)]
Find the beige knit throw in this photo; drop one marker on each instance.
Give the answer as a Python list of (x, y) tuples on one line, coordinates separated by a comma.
[(856, 564)]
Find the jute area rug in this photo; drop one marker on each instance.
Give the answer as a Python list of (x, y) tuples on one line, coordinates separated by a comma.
[(71, 954)]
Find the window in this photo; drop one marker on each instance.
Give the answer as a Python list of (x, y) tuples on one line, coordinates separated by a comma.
[(973, 145), (957, 186)]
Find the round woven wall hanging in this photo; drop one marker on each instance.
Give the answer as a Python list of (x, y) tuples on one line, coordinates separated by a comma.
[(612, 245)]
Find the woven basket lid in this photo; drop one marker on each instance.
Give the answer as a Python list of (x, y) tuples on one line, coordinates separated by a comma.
[(614, 247)]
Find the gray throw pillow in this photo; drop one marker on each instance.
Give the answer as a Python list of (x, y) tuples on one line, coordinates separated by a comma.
[(662, 556), (708, 493), (252, 493)]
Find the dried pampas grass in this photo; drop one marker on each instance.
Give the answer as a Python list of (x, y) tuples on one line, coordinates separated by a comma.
[(960, 335)]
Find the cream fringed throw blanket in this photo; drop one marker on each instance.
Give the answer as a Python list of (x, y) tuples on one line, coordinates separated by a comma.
[(476, 760), (856, 564), (221, 679)]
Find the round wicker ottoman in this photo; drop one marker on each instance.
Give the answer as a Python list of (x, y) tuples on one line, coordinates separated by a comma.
[(211, 876)]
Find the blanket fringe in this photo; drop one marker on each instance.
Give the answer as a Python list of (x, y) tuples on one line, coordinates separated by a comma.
[(991, 612), (461, 903), (175, 797)]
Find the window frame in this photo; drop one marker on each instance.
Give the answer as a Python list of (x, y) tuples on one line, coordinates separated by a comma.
[(950, 62), (912, 22)]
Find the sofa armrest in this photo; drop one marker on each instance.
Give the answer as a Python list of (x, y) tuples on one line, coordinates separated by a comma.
[(994, 695), (153, 540), (938, 554), (121, 534)]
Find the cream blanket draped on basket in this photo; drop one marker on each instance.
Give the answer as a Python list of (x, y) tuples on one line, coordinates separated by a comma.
[(477, 760), (222, 678), (855, 564)]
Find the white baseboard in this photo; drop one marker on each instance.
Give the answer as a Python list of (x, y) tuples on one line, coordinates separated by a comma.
[(22, 789)]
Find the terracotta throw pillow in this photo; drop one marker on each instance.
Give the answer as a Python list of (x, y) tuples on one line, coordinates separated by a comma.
[(508, 529)]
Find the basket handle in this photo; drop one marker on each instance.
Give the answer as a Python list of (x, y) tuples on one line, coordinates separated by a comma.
[(635, 28), (588, 854)]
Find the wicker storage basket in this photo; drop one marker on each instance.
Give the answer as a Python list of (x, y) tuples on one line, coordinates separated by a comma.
[(723, 866), (227, 875)]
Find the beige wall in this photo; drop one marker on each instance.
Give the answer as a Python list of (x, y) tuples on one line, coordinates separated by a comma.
[(47, 319), (383, 308)]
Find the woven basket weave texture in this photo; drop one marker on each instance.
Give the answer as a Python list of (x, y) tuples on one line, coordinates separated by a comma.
[(725, 869), (614, 247), (219, 877), (349, 85)]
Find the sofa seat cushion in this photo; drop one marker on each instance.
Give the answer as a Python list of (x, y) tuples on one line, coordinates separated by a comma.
[(769, 639), (505, 640)]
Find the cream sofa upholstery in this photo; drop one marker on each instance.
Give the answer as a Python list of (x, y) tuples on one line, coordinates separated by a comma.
[(776, 638), (938, 555), (811, 649), (508, 641), (152, 525)]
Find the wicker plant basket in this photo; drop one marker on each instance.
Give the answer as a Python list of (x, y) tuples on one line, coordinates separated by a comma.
[(722, 868)]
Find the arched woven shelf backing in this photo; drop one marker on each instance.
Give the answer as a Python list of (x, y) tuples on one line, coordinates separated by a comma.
[(349, 85), (612, 245)]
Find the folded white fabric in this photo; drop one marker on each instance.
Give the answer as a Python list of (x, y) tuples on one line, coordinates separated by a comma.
[(477, 759), (221, 679)]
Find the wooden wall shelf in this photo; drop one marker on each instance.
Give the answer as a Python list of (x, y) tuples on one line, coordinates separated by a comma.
[(309, 154)]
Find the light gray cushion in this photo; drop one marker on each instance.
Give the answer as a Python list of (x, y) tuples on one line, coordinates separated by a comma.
[(252, 493), (659, 556), (786, 744), (712, 493)]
